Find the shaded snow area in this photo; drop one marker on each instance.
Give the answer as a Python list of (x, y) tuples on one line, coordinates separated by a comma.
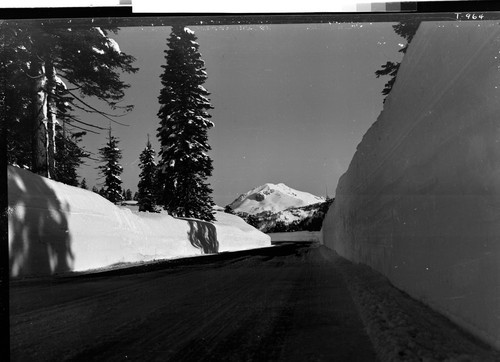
[(297, 236), (273, 198), (404, 329), (420, 202), (55, 228)]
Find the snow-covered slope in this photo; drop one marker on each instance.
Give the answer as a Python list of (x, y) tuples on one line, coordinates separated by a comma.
[(420, 201), (57, 228), (304, 218), (273, 198), (290, 216)]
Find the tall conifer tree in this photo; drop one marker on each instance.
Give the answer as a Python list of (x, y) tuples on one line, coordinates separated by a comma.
[(184, 164), (146, 196), (111, 169)]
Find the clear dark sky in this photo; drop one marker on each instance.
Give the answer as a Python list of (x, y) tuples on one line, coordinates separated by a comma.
[(291, 102)]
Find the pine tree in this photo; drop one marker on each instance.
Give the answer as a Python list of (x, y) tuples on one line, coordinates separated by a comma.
[(184, 164), (128, 195), (48, 69), (83, 184), (16, 95), (69, 157), (406, 30), (146, 194), (111, 169), (95, 189)]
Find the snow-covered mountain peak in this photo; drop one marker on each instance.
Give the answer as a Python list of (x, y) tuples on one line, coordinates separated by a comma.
[(272, 197)]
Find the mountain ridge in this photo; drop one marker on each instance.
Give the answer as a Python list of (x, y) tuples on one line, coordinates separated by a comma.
[(273, 198)]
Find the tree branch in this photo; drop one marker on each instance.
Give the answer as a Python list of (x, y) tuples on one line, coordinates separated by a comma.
[(30, 76), (84, 129), (77, 120), (104, 114)]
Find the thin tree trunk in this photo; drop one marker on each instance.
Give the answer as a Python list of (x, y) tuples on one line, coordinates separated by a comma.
[(51, 119), (39, 143)]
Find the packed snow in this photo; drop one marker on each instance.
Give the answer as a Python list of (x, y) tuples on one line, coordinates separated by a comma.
[(274, 198), (56, 228), (98, 51), (420, 201), (403, 329), (114, 45), (99, 30)]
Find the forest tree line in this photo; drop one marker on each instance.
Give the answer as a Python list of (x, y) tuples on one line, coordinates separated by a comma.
[(49, 72)]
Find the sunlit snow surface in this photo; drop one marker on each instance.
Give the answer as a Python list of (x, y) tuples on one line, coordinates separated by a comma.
[(56, 228), (272, 197), (114, 45)]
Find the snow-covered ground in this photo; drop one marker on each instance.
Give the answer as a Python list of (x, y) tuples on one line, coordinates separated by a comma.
[(273, 198), (420, 201), (56, 228), (287, 217), (293, 219), (401, 328)]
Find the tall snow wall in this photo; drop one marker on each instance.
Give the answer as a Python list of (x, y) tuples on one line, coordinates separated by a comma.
[(55, 228), (420, 201)]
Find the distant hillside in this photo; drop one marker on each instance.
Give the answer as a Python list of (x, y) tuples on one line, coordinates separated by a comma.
[(279, 208), (305, 218), (272, 198)]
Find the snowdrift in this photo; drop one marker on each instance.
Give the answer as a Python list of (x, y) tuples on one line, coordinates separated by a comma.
[(56, 228), (420, 201)]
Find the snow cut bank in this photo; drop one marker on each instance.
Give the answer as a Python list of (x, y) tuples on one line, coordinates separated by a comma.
[(56, 228), (420, 202)]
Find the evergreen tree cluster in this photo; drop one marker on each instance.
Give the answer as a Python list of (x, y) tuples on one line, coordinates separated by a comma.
[(46, 70), (127, 195), (178, 181)]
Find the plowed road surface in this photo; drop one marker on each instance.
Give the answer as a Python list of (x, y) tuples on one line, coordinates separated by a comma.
[(284, 303)]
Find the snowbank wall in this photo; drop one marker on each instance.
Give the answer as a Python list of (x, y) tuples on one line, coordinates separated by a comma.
[(56, 228), (312, 236), (420, 201)]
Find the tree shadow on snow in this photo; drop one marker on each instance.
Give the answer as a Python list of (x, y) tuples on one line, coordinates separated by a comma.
[(39, 239), (203, 235)]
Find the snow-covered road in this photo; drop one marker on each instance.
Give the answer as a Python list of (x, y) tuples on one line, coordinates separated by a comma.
[(285, 303)]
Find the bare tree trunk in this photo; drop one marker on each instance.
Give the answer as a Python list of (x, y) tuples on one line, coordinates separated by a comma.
[(51, 119), (44, 120), (39, 143)]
